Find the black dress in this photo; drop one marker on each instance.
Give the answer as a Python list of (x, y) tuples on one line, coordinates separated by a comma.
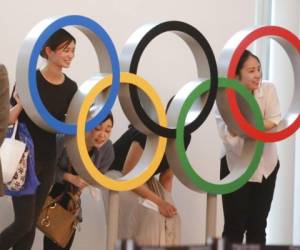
[(122, 146), (56, 99)]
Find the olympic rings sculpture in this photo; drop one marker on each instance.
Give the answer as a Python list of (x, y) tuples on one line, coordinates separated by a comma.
[(143, 107)]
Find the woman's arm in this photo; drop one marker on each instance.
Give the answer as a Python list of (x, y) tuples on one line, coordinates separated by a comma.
[(230, 140), (166, 179), (15, 111), (272, 113), (75, 180), (62, 172), (269, 124), (133, 156)]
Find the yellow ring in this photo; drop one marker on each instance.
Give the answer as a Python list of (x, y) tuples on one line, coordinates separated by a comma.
[(120, 185)]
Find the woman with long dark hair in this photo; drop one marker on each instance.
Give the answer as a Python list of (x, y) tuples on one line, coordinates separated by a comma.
[(246, 210), (56, 91)]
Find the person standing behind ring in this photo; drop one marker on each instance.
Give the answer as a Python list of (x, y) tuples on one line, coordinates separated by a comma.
[(56, 91), (101, 151), (246, 210), (146, 226)]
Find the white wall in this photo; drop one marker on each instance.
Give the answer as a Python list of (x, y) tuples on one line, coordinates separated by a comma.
[(283, 223), (167, 63)]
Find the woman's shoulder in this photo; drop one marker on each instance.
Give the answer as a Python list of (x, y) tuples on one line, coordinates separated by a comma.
[(69, 82), (107, 147), (39, 76), (104, 149), (104, 156), (130, 135), (136, 134), (267, 85), (267, 88)]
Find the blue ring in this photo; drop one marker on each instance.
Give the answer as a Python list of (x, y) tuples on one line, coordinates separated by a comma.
[(60, 126)]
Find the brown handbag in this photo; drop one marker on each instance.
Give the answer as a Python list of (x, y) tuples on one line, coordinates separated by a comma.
[(57, 222)]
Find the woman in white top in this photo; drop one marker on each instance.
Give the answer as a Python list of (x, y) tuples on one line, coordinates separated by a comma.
[(246, 210)]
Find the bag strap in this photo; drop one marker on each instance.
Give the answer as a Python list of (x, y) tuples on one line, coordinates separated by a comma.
[(73, 199), (69, 167), (15, 129)]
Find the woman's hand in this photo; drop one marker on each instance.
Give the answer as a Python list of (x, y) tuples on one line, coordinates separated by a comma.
[(75, 180), (167, 209), (269, 124), (16, 96), (231, 133)]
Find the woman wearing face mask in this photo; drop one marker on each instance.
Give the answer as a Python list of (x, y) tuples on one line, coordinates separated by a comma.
[(246, 210), (102, 154), (56, 91)]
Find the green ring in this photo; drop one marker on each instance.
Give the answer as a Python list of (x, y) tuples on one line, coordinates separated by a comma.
[(188, 169)]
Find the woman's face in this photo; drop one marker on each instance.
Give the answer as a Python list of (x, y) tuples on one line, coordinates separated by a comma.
[(63, 55), (100, 135), (250, 74)]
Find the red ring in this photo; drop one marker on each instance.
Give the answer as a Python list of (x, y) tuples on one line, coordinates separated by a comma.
[(243, 123)]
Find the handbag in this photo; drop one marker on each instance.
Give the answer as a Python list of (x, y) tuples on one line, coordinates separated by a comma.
[(13, 157), (31, 182), (19, 178), (59, 223), (59, 219)]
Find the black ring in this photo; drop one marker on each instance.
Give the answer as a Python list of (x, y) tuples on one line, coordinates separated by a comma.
[(201, 40)]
